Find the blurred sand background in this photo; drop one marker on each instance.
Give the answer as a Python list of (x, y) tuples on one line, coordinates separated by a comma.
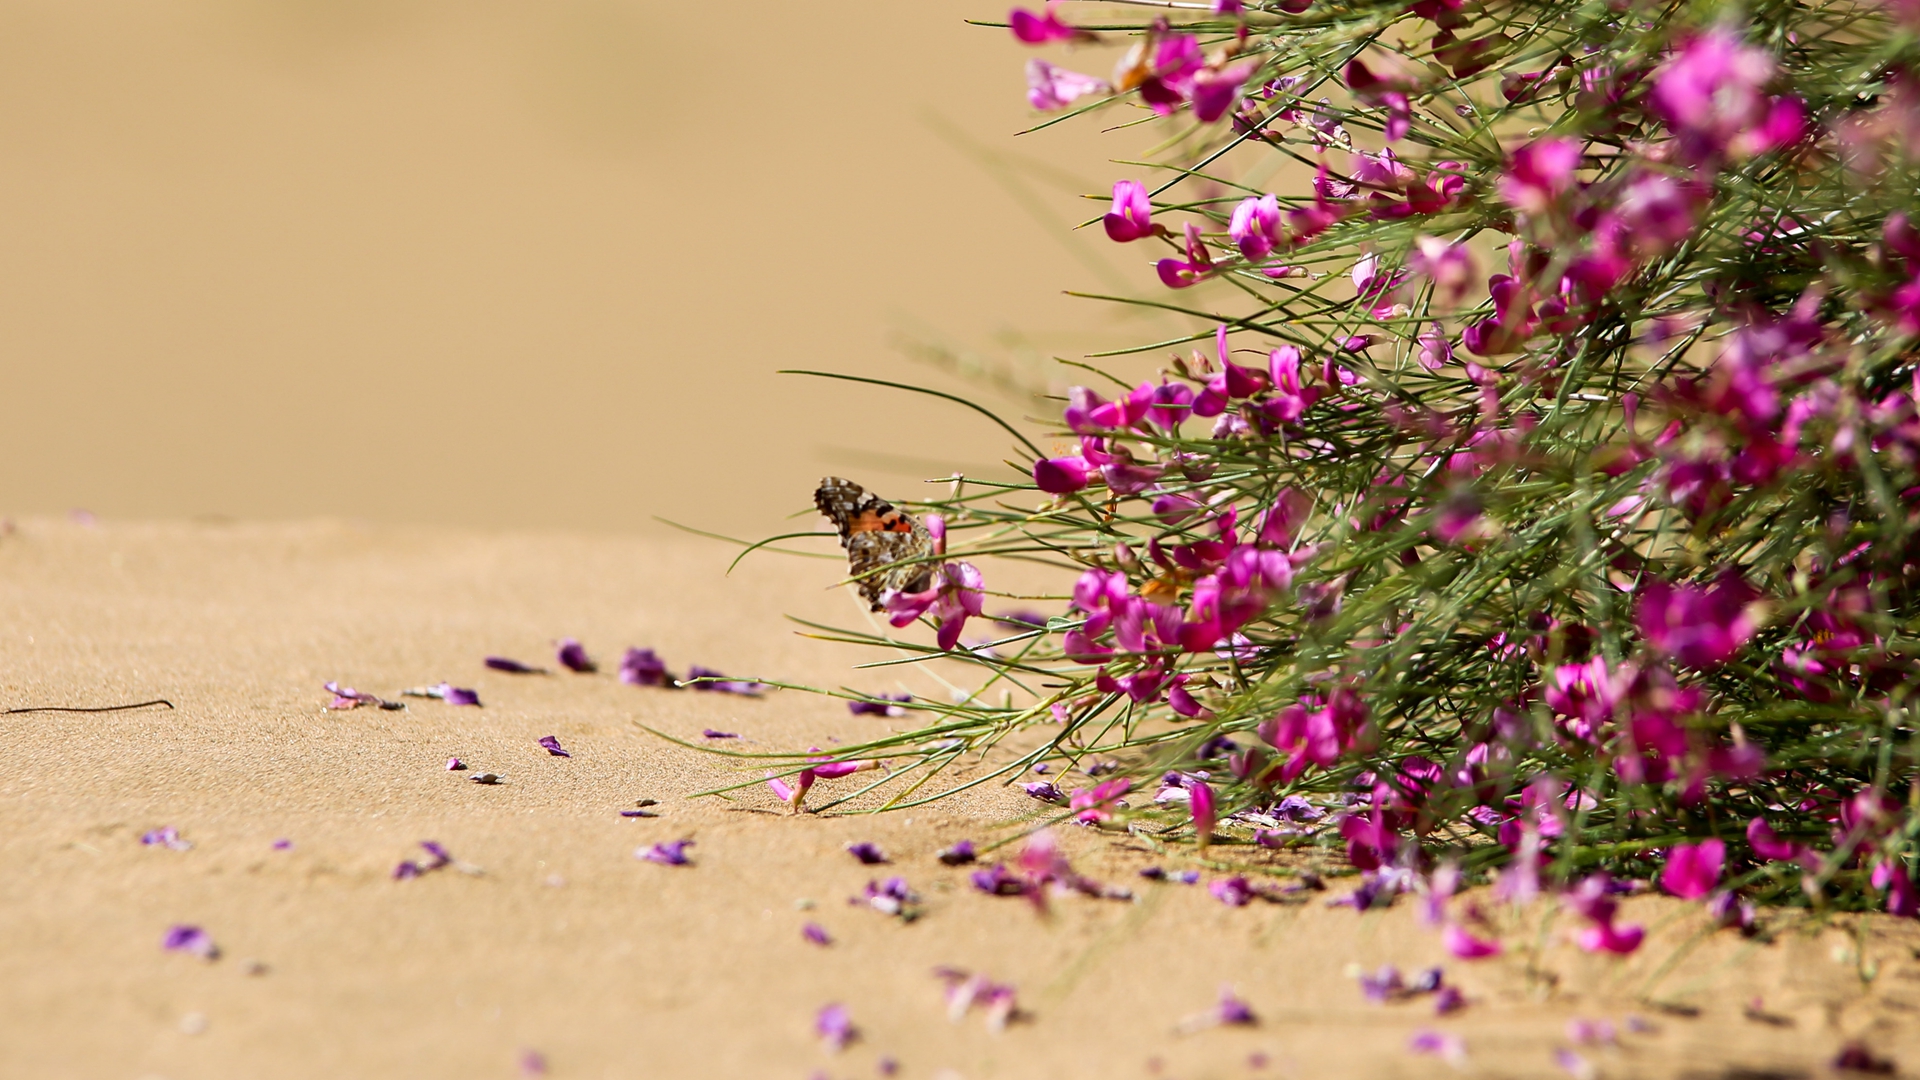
[(517, 265), (375, 334)]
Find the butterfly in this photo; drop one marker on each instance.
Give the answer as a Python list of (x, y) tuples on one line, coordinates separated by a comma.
[(876, 535)]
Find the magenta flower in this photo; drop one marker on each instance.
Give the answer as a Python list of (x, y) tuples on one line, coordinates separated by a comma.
[(1539, 174), (672, 853), (1606, 937), (1255, 227), (835, 1028), (1216, 90), (1180, 273), (1291, 397), (1463, 944), (1903, 898), (1050, 87), (1043, 29), (1061, 475), (1171, 68), (573, 656), (1389, 93), (1659, 211), (1693, 870), (1096, 803), (1132, 215), (640, 667), (1710, 92), (956, 594), (1586, 694), (1200, 801), (1592, 899), (1699, 627), (1448, 265), (191, 940), (1767, 844)]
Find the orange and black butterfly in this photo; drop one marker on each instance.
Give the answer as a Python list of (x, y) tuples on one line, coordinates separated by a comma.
[(876, 534)]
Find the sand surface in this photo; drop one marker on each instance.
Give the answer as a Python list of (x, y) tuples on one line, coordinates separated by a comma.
[(563, 943)]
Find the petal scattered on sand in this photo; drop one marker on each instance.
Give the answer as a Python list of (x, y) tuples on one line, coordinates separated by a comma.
[(189, 939), (671, 853), (552, 745)]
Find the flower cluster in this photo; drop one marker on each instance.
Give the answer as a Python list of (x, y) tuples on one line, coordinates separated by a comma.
[(1602, 558)]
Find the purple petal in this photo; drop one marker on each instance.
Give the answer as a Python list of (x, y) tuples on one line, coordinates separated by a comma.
[(637, 813), (959, 854), (640, 667), (533, 1063), (552, 744), (189, 939), (880, 705), (672, 853), (835, 1027), (283, 844), (407, 869), (867, 853), (1043, 790), (166, 837), (455, 695), (441, 856), (816, 933), (712, 734), (512, 667), (573, 656), (1449, 1000), (454, 764), (720, 683), (1232, 1010)]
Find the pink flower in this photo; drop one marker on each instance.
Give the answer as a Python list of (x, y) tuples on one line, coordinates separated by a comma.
[(1050, 87), (1539, 174), (1659, 211), (1168, 78), (1096, 803), (1767, 844), (1903, 899), (1700, 628), (1215, 91), (1200, 800), (1058, 476), (1693, 870), (1584, 693), (1132, 215), (1255, 227), (1043, 29), (1710, 93), (1389, 93), (955, 595), (1610, 938), (1465, 945), (1180, 273), (1291, 396), (1448, 265)]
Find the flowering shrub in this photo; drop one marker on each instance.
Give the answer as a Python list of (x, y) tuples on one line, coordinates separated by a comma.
[(1542, 490)]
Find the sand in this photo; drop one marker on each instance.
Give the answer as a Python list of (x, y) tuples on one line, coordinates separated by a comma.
[(562, 943)]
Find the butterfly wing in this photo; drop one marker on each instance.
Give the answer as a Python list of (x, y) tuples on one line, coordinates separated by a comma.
[(876, 535)]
